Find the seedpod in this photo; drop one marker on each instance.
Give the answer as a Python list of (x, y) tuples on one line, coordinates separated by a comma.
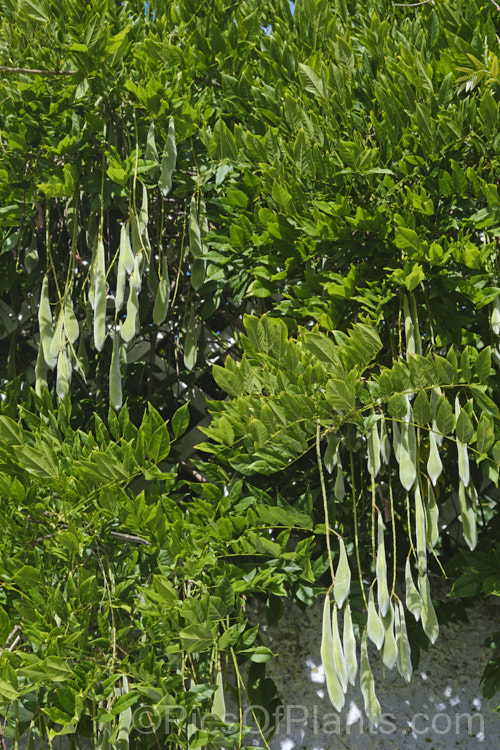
[(349, 643), (413, 600), (495, 317), (338, 651), (408, 453), (372, 706), (381, 570), (431, 517), (70, 321), (168, 161), (162, 295), (40, 371), (339, 489), (115, 378), (434, 464), (429, 619), (374, 627), (468, 517), (190, 344), (420, 532), (405, 668), (342, 583), (128, 328), (45, 323), (389, 650), (219, 704), (335, 692), (100, 298)]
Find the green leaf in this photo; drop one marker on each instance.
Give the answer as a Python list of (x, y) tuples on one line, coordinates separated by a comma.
[(421, 409), (180, 420), (485, 434), (464, 429), (340, 395), (408, 239), (445, 421), (196, 638), (158, 446), (482, 366), (397, 406), (229, 381)]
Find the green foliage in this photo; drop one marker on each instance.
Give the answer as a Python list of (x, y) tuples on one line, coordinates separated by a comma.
[(298, 210)]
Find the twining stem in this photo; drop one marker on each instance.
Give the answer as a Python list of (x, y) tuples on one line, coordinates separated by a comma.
[(356, 538), (325, 501)]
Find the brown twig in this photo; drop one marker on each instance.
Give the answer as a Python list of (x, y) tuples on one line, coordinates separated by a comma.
[(15, 629), (129, 537), (34, 72), (412, 5)]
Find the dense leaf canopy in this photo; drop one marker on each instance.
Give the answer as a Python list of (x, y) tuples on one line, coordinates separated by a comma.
[(250, 337)]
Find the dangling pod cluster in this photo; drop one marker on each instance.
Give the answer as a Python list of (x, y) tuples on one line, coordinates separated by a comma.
[(133, 260)]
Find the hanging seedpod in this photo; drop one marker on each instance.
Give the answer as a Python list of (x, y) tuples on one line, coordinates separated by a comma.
[(468, 518), (434, 464), (121, 282), (385, 443), (349, 644), (64, 370), (58, 339), (45, 323), (128, 328), (409, 329), (100, 298), (136, 242), (381, 570), (414, 320), (219, 704), (435, 397), (126, 253), (420, 532), (372, 706), (495, 317), (40, 371), (151, 152), (190, 343), (428, 615), (331, 455), (413, 600), (162, 296), (374, 627), (405, 668), (338, 651), (115, 378), (168, 161), (70, 321), (136, 277), (198, 268), (408, 452), (431, 517), (335, 692), (463, 463), (195, 244), (339, 488), (396, 440), (342, 583), (144, 212), (82, 361), (373, 450), (389, 650)]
